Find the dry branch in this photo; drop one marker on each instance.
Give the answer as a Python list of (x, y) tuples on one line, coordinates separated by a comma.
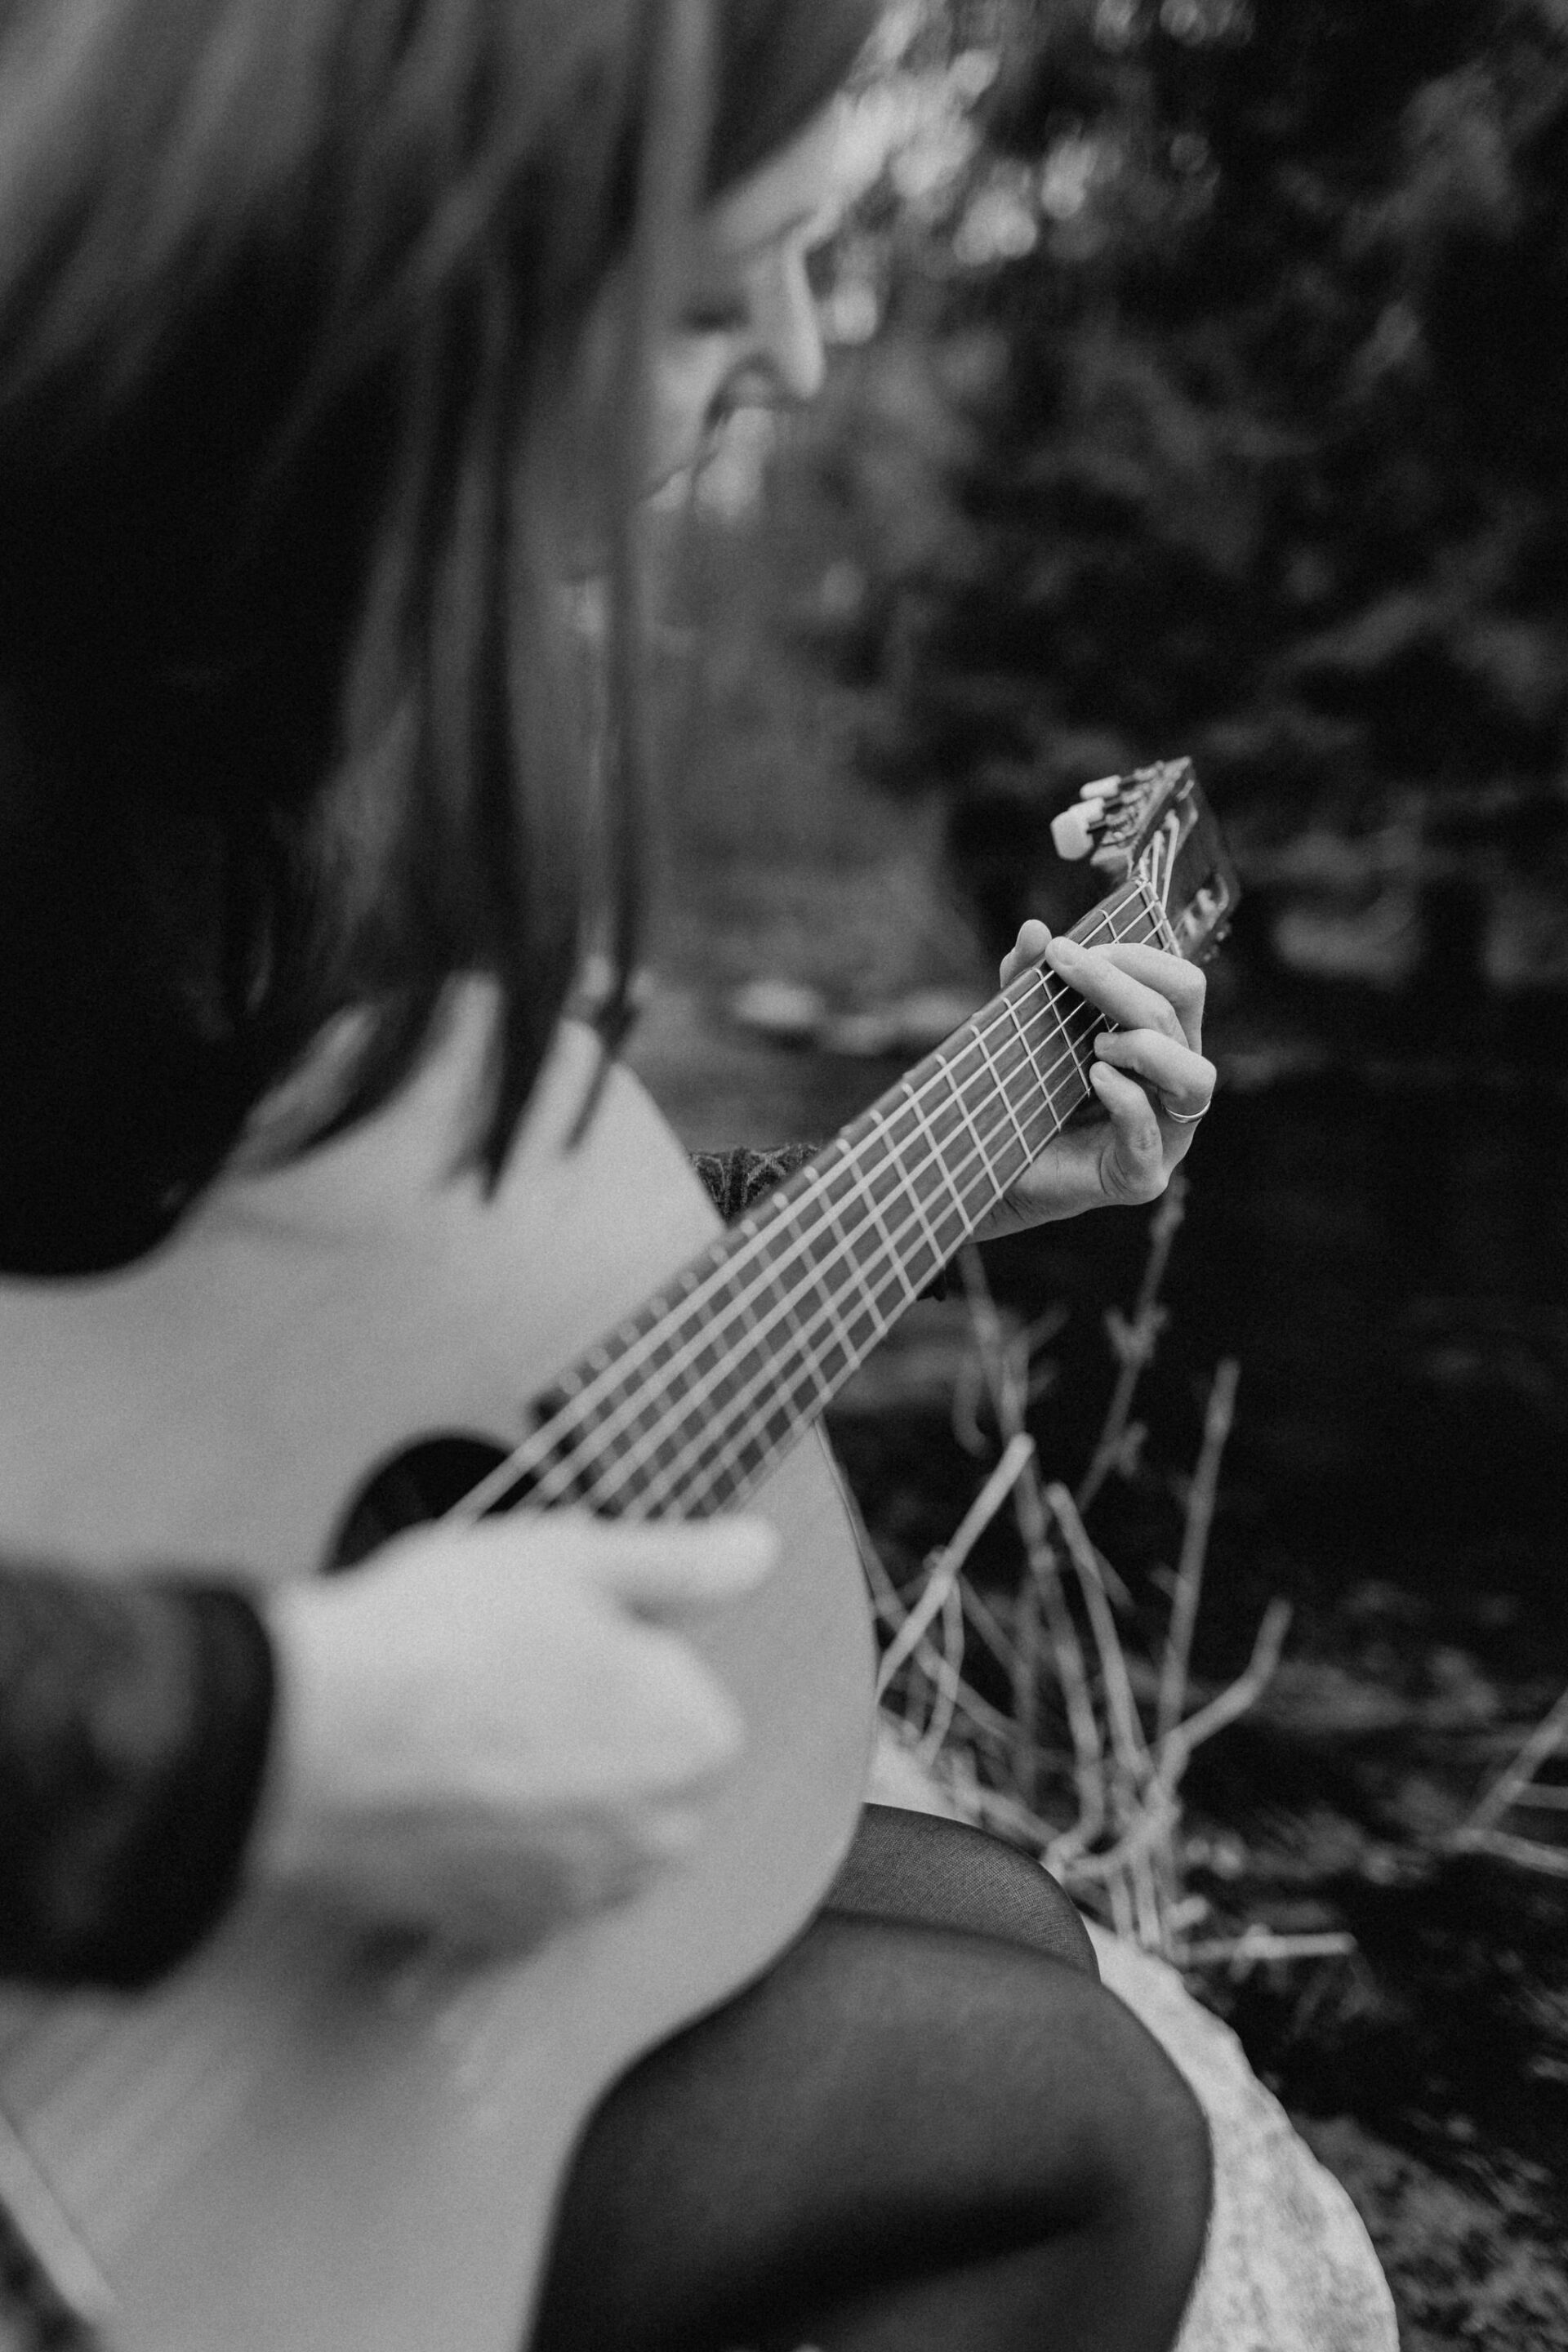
[(1201, 1497), (1512, 1782), (944, 1565), (1135, 1341), (1122, 1847), (1526, 1853)]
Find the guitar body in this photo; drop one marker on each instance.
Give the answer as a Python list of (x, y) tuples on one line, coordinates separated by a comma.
[(300, 2144)]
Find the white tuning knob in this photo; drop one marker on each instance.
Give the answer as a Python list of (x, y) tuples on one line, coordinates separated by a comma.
[(1073, 832)]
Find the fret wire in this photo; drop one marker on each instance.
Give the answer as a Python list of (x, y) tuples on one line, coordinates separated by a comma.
[(961, 1118), (725, 1303), (944, 1120), (846, 1198), (1007, 1107), (880, 1224), (763, 1362), (683, 1473), (580, 1413), (711, 1456), (666, 1489), (725, 1465), (991, 1090), (1019, 1023), (912, 1188), (726, 1264), (725, 1478), (975, 1041), (554, 1486), (727, 1468), (681, 1477), (889, 1120), (629, 1462), (977, 1138), (850, 1346), (1072, 1088), (653, 1475), (881, 1184), (713, 1471), (760, 1359), (972, 1107), (982, 1081), (839, 1163)]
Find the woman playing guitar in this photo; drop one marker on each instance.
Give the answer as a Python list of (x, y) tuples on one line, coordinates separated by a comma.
[(331, 334)]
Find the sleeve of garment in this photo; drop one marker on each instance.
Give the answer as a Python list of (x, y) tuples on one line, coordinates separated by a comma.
[(133, 1730), (735, 1179)]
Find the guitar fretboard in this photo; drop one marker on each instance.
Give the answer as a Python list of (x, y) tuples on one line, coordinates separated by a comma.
[(681, 1408)]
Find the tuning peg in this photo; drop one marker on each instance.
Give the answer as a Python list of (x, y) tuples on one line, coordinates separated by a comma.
[(1073, 833), (1073, 830)]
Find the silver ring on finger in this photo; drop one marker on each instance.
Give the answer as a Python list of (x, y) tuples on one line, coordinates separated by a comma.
[(1184, 1117)]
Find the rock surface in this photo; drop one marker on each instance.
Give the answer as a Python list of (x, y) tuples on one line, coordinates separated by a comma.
[(1289, 2266)]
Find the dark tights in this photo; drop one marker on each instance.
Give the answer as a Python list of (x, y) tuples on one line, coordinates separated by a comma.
[(927, 2129)]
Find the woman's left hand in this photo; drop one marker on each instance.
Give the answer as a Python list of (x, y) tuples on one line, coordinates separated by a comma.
[(1150, 1067)]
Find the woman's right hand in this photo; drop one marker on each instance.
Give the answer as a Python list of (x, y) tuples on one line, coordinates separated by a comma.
[(486, 1730)]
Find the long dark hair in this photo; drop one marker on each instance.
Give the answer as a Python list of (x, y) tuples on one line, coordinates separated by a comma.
[(291, 301)]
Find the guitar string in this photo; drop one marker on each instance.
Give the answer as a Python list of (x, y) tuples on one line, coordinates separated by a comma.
[(608, 1478), (599, 1413), (716, 1456), (609, 1384), (766, 1348), (560, 1476), (570, 1421), (711, 1456), (712, 1462), (604, 1480)]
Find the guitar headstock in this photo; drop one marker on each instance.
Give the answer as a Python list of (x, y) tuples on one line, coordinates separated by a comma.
[(1154, 826)]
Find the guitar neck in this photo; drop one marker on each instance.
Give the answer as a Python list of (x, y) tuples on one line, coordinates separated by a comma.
[(683, 1407)]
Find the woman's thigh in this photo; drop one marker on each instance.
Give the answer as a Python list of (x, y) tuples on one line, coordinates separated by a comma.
[(906, 2137)]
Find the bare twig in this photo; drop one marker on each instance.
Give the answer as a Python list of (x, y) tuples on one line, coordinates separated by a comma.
[(1201, 1497), (1007, 1378), (1508, 1790), (1067, 1651), (946, 1563), (1246, 1691), (1122, 1851), (950, 1682), (1135, 1341), (1154, 1821), (993, 1632), (1127, 1731), (1552, 1861), (1256, 1944)]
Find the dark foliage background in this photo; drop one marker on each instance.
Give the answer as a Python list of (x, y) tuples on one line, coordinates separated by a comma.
[(1228, 377)]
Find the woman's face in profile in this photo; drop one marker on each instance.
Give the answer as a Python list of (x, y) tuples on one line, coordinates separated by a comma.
[(747, 332)]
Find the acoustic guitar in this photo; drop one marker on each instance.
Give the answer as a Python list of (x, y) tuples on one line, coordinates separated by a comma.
[(309, 2140)]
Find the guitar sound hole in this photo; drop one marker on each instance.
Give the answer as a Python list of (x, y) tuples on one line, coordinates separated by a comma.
[(419, 1483)]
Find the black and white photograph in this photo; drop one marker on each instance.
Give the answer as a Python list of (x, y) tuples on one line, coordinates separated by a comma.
[(784, 1175)]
